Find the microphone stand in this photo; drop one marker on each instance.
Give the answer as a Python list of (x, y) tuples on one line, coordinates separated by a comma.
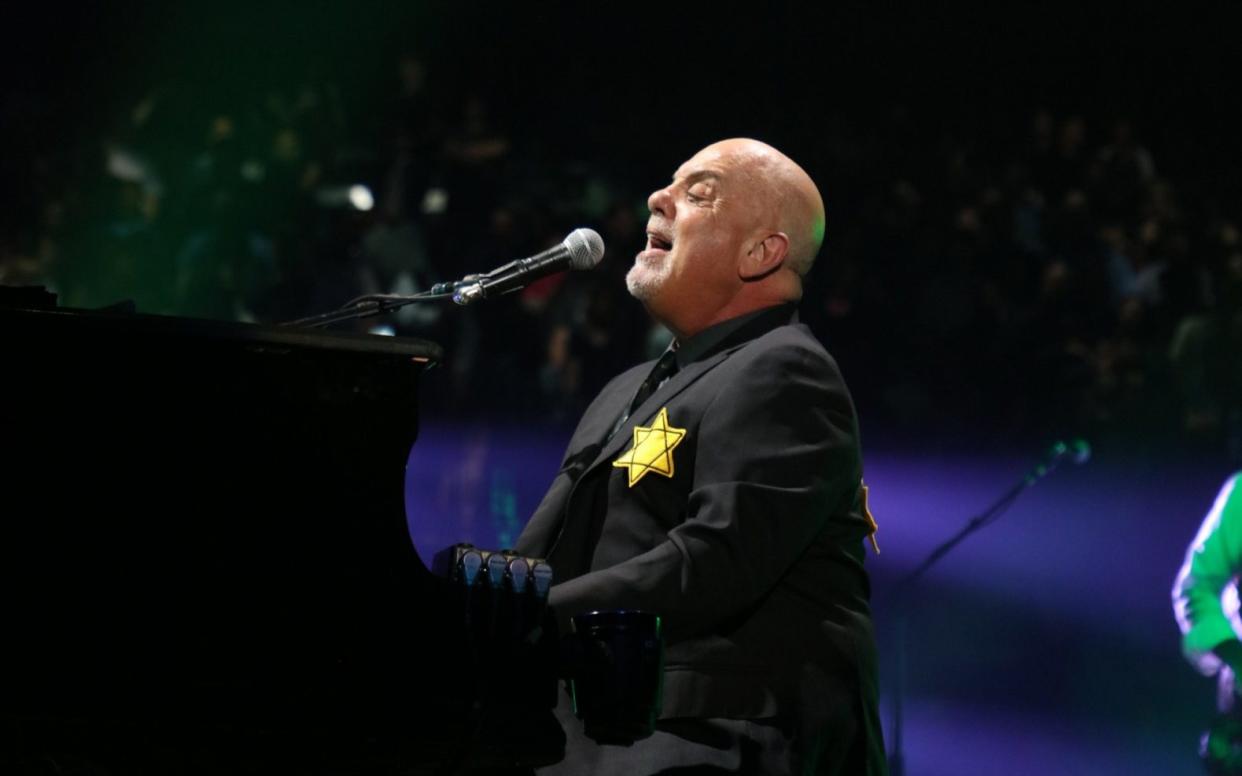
[(903, 590), (365, 307), (582, 249), (463, 292)]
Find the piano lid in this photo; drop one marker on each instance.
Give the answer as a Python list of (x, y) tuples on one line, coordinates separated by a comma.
[(191, 329)]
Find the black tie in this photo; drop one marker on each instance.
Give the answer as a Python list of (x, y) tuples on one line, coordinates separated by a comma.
[(664, 368)]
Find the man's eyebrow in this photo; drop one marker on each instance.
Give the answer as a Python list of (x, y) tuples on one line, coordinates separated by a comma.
[(699, 175)]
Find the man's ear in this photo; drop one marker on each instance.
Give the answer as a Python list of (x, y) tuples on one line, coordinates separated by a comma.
[(764, 257)]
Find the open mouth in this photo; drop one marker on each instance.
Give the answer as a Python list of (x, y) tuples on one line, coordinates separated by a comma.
[(658, 242)]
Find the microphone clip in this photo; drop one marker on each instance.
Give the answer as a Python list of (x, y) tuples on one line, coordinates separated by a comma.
[(466, 292)]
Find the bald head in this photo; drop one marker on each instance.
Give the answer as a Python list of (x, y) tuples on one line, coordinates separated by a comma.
[(786, 199), (735, 231)]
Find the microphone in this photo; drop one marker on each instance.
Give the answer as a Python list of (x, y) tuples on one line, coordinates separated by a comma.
[(582, 249), (1077, 450)]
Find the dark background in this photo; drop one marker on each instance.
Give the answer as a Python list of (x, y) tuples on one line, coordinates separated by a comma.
[(1033, 233), (974, 233)]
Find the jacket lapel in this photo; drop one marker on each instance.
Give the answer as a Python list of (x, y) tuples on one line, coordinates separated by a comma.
[(608, 408), (756, 326), (543, 530), (644, 412)]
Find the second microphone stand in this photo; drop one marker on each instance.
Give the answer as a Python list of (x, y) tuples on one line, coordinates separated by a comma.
[(1079, 451)]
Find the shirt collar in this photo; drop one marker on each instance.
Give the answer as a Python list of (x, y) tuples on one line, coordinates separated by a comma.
[(732, 332)]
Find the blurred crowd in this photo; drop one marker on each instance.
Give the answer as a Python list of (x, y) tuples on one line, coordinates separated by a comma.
[(1049, 278), (1038, 274)]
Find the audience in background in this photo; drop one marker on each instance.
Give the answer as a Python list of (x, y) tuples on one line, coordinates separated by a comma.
[(1046, 279)]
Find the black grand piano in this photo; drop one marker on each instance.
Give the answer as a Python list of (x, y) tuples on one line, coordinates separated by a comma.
[(206, 566)]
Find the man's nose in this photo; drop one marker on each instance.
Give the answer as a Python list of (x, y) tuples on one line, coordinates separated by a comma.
[(661, 202)]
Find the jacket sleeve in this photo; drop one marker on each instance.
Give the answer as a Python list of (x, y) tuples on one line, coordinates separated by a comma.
[(776, 459), (1213, 559)]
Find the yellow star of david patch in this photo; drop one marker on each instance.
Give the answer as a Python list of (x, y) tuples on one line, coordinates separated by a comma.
[(652, 450)]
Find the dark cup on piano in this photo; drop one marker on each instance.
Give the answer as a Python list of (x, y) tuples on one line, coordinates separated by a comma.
[(619, 678)]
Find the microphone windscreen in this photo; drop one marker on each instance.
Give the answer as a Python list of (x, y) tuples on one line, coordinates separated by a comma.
[(585, 247)]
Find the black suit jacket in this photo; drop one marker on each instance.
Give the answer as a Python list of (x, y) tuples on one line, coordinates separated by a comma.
[(751, 552)]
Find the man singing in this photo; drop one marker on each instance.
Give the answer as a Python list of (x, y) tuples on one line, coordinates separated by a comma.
[(720, 487)]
